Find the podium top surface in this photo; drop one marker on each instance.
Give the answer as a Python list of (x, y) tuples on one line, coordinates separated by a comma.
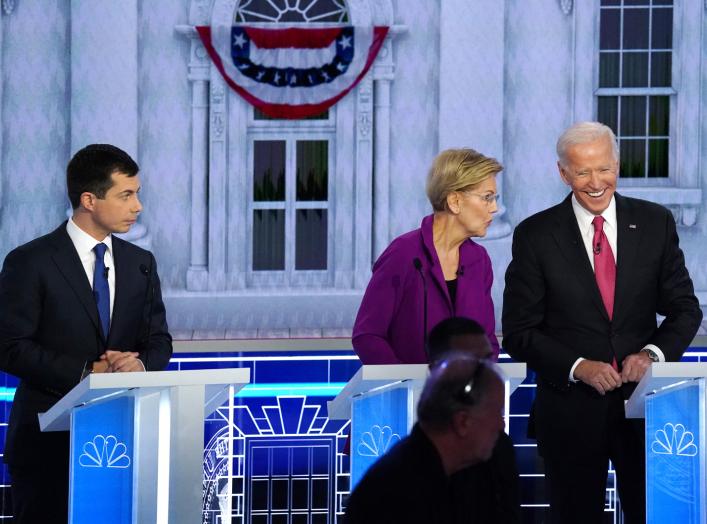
[(98, 386), (661, 375), (371, 377)]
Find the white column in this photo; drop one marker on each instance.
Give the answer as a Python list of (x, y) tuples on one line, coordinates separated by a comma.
[(218, 126), (104, 73), (538, 104), (364, 181), (104, 81), (383, 76), (471, 84), (6, 11), (199, 70)]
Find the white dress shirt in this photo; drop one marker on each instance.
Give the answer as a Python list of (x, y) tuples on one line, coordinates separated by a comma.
[(586, 230), (84, 244)]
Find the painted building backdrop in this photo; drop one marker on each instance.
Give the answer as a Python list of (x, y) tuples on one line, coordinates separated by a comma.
[(243, 250)]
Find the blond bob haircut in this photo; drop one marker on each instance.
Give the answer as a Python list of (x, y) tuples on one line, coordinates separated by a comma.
[(457, 170)]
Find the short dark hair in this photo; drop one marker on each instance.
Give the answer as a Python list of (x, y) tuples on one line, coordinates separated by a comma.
[(458, 383), (440, 338), (90, 170)]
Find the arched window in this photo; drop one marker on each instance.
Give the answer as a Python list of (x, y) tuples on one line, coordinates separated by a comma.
[(291, 11)]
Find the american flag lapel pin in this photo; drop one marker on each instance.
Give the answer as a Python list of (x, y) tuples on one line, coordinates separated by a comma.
[(632, 226)]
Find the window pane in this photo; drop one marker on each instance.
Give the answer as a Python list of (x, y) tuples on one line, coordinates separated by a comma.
[(635, 28), (635, 70), (280, 491), (610, 2), (311, 239), (320, 497), (259, 495), (268, 239), (662, 2), (610, 29), (608, 111), (269, 170), (657, 158), (662, 35), (661, 73), (659, 116), (300, 494), (637, 2), (312, 170), (633, 157), (633, 116), (609, 69)]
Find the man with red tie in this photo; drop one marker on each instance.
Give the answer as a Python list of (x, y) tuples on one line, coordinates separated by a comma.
[(587, 279)]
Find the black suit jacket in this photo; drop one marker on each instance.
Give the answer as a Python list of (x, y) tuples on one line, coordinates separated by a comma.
[(49, 329), (553, 312)]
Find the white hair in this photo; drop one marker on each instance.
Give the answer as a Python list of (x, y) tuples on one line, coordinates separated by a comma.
[(582, 133)]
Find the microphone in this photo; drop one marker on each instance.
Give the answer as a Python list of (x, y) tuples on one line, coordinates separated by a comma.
[(597, 249), (418, 267), (147, 272), (105, 272), (460, 271)]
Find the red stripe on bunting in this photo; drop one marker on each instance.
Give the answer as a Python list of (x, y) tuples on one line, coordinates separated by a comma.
[(292, 37), (286, 110)]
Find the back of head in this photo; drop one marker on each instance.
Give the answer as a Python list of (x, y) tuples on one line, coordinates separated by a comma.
[(456, 170), (90, 170), (458, 383), (583, 133), (457, 334)]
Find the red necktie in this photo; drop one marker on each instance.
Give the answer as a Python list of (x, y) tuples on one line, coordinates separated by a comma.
[(604, 268)]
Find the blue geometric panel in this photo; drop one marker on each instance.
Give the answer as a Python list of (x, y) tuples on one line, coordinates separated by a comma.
[(291, 409), (274, 416), (293, 477), (309, 413), (244, 419)]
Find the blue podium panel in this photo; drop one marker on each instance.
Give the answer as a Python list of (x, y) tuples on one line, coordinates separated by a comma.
[(379, 420), (101, 462), (675, 450)]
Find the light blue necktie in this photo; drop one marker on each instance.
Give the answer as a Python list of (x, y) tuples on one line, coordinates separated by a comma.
[(101, 291)]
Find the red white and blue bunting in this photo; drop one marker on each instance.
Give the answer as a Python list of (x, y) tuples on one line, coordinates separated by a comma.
[(292, 72)]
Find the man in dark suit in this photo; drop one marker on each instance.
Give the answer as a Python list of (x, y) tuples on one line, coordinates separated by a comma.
[(585, 321), (76, 301)]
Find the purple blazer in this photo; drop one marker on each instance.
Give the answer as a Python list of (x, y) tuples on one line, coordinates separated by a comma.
[(389, 324)]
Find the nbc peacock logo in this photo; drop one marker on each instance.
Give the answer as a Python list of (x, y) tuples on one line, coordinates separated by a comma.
[(104, 452)]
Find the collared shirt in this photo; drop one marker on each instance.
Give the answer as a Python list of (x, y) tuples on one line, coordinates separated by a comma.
[(586, 228), (84, 244)]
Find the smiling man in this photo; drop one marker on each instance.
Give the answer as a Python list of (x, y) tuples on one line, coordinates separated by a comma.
[(587, 278), (74, 302)]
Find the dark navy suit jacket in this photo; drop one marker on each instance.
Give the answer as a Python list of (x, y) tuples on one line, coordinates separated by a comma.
[(49, 329)]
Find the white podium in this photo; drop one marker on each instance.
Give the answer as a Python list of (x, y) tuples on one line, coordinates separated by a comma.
[(671, 397), (381, 401), (137, 442)]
